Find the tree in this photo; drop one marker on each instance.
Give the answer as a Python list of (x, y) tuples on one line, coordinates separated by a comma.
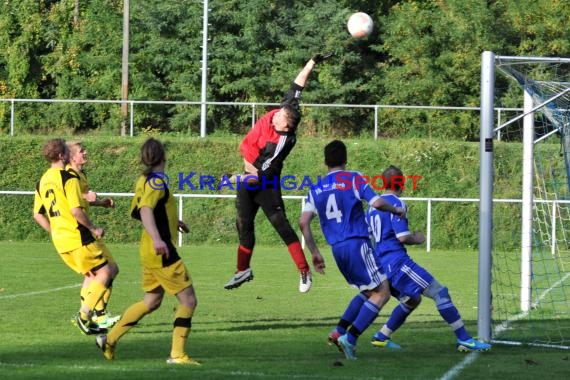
[(433, 58)]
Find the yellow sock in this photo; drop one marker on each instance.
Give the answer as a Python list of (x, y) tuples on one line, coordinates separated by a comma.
[(94, 294), (83, 294), (101, 306), (130, 317), (107, 296), (182, 325)]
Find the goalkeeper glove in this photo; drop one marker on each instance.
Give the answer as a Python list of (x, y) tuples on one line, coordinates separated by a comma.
[(320, 57)]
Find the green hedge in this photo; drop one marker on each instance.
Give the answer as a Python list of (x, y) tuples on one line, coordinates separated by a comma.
[(448, 169)]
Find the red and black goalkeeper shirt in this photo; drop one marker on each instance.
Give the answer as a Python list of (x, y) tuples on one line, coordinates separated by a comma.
[(266, 148)]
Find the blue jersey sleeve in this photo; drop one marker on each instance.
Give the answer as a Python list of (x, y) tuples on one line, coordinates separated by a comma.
[(399, 225), (363, 189), (386, 228)]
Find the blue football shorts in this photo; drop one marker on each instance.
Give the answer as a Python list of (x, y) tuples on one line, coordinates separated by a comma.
[(358, 264), (409, 280)]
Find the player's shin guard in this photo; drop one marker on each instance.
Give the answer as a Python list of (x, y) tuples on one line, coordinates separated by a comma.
[(351, 312), (243, 258), (95, 292), (83, 294), (398, 317), (182, 326), (367, 314), (451, 315), (298, 256), (279, 221), (101, 306), (130, 318), (447, 309)]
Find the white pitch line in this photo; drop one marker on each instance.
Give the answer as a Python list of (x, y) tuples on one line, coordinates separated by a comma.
[(472, 356), (505, 325), (39, 292)]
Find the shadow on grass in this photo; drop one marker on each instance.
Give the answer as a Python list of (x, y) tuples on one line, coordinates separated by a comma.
[(258, 324), (265, 348)]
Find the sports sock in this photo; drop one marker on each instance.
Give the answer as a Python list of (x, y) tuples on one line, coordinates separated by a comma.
[(351, 313), (342, 326), (94, 294), (243, 258), (83, 294), (397, 319), (182, 326), (298, 256), (130, 318), (367, 314), (101, 307), (451, 315)]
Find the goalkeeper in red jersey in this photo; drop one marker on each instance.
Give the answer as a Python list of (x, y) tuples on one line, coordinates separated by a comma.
[(264, 149)]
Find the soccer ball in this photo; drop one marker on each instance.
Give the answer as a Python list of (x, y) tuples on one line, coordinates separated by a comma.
[(360, 25)]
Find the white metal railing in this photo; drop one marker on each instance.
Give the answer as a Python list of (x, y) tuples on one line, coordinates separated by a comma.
[(132, 103), (429, 205)]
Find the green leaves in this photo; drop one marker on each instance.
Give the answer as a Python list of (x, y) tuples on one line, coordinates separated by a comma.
[(420, 53)]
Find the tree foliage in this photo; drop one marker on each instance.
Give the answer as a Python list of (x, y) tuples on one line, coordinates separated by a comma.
[(421, 52)]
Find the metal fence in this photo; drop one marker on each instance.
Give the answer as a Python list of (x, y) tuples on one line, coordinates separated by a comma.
[(132, 109), (431, 225)]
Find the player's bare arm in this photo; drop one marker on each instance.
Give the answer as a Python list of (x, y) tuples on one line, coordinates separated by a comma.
[(90, 196), (303, 75), (305, 225), (149, 223), (83, 219), (414, 238), (43, 221), (383, 205), (105, 202)]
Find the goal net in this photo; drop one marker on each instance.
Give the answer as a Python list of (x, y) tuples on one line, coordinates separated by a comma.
[(529, 255)]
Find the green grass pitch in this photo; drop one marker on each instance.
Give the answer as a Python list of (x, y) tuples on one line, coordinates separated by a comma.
[(264, 330)]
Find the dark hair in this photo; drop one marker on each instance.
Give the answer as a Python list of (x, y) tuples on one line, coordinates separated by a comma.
[(293, 115), (152, 154), (335, 154), (393, 177), (53, 149)]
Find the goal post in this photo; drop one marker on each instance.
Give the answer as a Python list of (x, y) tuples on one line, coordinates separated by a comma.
[(524, 283), (486, 195)]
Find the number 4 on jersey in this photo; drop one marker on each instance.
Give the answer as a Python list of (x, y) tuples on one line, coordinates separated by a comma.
[(332, 209)]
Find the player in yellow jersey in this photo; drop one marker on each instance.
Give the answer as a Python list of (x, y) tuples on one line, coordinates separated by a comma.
[(163, 270), (77, 159), (58, 209)]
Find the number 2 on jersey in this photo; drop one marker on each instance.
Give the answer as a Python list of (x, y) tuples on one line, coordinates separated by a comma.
[(332, 209), (52, 211)]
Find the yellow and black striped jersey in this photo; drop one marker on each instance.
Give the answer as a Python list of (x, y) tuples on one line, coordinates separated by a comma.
[(57, 193), (83, 184), (160, 200)]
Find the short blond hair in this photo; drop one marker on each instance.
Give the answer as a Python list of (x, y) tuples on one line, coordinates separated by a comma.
[(74, 146)]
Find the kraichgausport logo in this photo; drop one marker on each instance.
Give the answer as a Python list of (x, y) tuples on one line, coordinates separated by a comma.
[(342, 180), (158, 180)]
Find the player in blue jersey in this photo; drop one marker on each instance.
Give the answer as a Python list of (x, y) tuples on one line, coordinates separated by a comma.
[(337, 200), (409, 281)]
